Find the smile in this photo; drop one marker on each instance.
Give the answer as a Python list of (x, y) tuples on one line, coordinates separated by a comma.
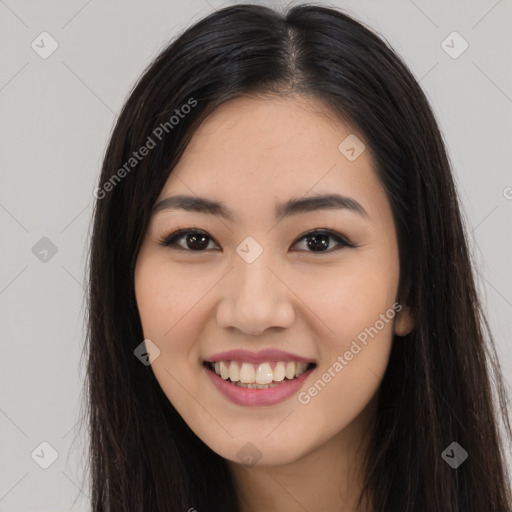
[(259, 376), (258, 379)]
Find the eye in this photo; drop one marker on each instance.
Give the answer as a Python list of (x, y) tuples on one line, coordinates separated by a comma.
[(318, 240), (196, 240)]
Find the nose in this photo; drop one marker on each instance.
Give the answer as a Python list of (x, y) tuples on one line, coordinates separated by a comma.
[(255, 297)]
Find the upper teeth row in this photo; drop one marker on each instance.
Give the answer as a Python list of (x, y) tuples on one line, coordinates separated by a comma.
[(262, 373)]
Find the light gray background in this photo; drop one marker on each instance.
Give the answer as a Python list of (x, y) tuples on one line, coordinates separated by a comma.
[(57, 114)]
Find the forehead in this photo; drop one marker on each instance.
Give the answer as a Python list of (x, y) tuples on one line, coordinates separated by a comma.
[(253, 152)]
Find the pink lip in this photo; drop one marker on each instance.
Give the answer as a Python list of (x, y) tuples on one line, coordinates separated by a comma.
[(257, 397), (266, 355)]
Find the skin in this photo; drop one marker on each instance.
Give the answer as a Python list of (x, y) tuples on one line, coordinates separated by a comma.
[(251, 154)]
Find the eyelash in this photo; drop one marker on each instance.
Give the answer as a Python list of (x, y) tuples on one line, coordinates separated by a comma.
[(170, 240)]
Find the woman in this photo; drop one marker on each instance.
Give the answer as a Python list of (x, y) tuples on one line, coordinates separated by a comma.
[(282, 309)]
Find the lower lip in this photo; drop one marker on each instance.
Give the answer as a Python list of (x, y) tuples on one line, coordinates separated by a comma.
[(257, 397)]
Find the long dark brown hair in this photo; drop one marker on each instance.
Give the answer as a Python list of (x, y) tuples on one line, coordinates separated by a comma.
[(443, 383)]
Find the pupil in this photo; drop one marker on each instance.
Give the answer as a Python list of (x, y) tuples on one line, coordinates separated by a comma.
[(200, 239), (323, 243)]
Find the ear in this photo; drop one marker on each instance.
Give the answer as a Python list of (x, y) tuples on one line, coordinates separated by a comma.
[(404, 322)]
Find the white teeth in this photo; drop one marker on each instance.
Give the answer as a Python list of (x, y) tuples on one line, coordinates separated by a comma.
[(300, 369), (264, 374), (256, 386), (258, 376), (234, 372), (247, 373), (279, 372), (224, 372), (290, 370)]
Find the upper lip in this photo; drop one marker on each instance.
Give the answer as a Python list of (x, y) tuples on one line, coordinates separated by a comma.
[(269, 354)]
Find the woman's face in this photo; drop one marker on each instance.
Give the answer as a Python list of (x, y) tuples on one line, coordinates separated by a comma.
[(273, 277)]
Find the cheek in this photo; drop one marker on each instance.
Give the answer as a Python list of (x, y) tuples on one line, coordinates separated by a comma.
[(174, 309), (356, 304), (164, 297), (350, 298), (359, 318), (170, 310)]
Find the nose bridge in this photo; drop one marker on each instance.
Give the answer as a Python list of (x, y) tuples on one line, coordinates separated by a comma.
[(254, 297), (255, 279), (252, 262)]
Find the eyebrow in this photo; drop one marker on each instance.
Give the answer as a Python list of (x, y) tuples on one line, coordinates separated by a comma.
[(287, 209)]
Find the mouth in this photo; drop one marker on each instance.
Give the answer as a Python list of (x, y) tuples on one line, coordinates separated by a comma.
[(264, 375)]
